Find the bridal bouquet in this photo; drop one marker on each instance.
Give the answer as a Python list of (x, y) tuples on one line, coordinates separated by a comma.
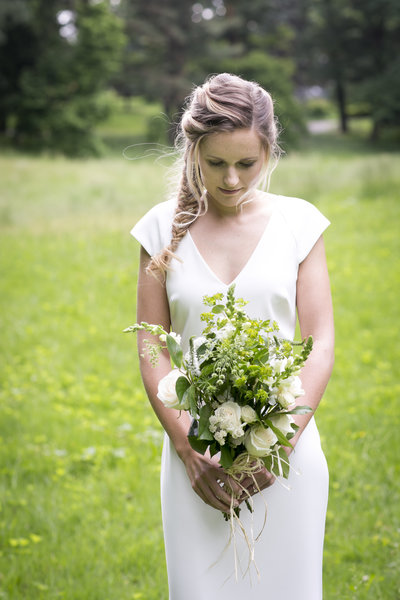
[(239, 382)]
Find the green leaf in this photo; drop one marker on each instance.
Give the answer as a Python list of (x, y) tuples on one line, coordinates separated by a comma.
[(181, 386), (214, 449), (199, 445), (175, 351), (298, 410), (285, 466), (190, 397), (267, 460), (262, 355), (226, 460), (208, 368), (218, 308), (204, 431), (201, 350), (282, 439), (206, 435)]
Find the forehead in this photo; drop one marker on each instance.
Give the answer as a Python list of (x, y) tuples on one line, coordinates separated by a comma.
[(232, 145)]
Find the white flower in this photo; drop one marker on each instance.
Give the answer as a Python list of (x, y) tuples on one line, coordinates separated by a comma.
[(283, 423), (193, 362), (259, 441), (248, 414), (288, 390), (280, 364), (176, 336), (220, 437), (227, 418), (225, 332), (167, 390)]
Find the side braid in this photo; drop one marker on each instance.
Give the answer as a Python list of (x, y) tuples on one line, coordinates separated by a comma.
[(189, 207)]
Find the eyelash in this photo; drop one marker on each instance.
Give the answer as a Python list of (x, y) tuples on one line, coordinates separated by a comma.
[(220, 164)]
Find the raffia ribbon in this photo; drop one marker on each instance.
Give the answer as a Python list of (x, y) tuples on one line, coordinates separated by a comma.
[(244, 466)]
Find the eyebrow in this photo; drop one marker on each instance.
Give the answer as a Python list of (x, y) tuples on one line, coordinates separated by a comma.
[(240, 159)]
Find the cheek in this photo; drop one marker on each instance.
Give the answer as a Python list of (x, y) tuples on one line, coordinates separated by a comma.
[(207, 175), (255, 175)]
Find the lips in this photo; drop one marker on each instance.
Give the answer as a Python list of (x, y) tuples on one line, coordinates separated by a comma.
[(229, 192)]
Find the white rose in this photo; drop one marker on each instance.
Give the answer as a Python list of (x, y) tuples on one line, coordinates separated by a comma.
[(289, 390), (248, 414), (227, 418), (259, 441), (167, 390), (283, 423)]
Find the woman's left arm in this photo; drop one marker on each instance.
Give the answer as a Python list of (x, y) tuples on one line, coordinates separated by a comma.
[(314, 308), (315, 313)]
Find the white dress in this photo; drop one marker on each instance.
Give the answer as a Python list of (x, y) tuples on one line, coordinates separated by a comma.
[(288, 553)]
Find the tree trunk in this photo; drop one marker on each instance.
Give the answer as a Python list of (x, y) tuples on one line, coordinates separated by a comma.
[(3, 123), (375, 131), (341, 101)]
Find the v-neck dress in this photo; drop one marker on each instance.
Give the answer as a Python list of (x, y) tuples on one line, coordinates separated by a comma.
[(288, 554)]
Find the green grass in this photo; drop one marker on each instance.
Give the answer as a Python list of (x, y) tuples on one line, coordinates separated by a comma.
[(132, 121), (80, 447)]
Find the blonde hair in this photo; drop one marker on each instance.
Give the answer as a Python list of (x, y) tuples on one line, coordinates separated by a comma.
[(223, 103)]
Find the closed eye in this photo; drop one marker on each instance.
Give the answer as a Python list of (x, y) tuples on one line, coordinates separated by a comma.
[(247, 165), (220, 163), (214, 163)]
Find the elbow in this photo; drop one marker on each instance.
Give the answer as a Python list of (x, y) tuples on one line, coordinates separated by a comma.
[(330, 356), (325, 350)]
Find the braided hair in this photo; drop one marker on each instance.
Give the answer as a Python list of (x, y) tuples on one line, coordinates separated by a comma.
[(223, 103)]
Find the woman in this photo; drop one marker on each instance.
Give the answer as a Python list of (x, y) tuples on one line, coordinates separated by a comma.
[(222, 229)]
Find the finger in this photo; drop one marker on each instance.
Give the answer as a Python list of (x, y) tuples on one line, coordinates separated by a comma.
[(223, 493), (214, 499), (213, 493)]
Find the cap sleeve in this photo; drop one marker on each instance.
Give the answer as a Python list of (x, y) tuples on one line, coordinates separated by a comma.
[(307, 224), (153, 231)]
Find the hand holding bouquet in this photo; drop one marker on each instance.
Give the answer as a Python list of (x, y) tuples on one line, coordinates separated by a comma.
[(239, 382)]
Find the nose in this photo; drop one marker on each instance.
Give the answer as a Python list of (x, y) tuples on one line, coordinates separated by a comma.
[(231, 177)]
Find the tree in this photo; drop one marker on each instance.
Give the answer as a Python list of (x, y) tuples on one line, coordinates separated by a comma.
[(51, 82), (174, 44), (162, 40), (355, 45)]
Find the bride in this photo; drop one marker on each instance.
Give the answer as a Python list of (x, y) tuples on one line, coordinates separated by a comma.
[(221, 228)]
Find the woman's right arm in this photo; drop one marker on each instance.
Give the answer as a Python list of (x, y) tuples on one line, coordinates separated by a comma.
[(204, 473)]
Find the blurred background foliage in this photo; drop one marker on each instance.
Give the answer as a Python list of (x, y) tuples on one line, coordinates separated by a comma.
[(67, 66)]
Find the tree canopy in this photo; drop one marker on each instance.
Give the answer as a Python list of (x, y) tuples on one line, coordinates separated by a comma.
[(53, 64), (56, 58)]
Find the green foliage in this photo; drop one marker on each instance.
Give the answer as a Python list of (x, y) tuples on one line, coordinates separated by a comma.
[(51, 98), (80, 447), (319, 108), (168, 51), (175, 351), (354, 47)]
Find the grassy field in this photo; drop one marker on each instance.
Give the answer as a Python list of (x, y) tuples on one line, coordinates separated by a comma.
[(79, 453)]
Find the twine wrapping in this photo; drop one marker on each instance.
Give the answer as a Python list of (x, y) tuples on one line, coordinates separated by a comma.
[(244, 466)]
